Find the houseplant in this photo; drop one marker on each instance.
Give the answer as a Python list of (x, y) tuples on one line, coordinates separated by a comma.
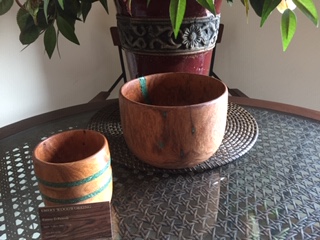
[(52, 17)]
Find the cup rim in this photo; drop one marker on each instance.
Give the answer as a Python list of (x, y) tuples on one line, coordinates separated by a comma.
[(34, 158)]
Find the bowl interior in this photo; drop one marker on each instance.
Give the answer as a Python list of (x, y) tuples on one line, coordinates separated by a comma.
[(173, 89), (69, 146)]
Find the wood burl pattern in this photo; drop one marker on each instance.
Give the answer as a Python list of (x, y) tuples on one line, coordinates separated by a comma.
[(173, 120)]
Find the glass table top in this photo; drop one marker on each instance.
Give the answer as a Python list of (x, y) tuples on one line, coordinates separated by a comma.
[(271, 192)]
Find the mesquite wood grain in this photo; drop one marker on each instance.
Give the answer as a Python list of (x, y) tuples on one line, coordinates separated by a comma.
[(173, 120)]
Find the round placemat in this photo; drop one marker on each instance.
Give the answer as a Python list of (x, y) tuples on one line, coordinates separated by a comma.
[(240, 135)]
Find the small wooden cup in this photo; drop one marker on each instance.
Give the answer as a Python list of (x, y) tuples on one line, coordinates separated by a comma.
[(73, 167), (173, 120)]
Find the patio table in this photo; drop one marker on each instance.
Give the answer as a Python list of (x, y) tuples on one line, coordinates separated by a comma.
[(269, 191)]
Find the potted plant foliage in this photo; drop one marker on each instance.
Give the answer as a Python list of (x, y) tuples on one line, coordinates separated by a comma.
[(51, 18)]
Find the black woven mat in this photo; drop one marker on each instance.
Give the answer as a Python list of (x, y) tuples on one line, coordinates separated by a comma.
[(240, 135)]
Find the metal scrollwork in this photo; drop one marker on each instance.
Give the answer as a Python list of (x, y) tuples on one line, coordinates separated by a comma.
[(155, 36)]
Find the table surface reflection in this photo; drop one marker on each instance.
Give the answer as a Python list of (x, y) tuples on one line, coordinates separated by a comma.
[(271, 192)]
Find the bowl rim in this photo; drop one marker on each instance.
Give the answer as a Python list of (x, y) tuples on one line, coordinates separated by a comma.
[(225, 92)]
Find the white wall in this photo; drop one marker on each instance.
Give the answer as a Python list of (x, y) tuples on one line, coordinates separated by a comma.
[(249, 58), (31, 84)]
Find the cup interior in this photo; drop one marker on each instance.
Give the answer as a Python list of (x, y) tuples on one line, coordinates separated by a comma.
[(173, 89), (69, 146)]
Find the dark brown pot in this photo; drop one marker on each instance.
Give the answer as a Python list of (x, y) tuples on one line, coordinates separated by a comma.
[(149, 43)]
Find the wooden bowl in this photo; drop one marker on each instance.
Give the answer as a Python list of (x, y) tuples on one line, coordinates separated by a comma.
[(173, 120), (73, 167)]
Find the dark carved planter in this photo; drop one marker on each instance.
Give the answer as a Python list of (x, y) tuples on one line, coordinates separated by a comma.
[(149, 43)]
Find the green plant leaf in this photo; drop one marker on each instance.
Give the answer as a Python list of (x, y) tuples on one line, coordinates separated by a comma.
[(105, 5), (61, 4), (67, 30), (268, 7), (246, 4), (5, 6), (33, 8), (45, 8), (85, 8), (177, 10), (22, 18), (29, 35), (71, 11), (29, 32), (208, 4), (257, 6), (50, 40), (288, 27), (42, 21), (309, 9)]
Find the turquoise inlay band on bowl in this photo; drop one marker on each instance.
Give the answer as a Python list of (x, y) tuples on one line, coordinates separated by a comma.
[(144, 89), (75, 183), (80, 199)]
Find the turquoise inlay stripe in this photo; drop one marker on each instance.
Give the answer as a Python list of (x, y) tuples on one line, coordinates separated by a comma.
[(75, 183), (80, 199), (144, 89)]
